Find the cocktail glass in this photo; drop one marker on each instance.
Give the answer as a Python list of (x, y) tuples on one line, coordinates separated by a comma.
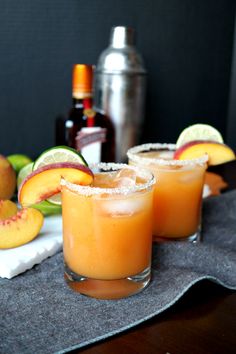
[(107, 231), (178, 193)]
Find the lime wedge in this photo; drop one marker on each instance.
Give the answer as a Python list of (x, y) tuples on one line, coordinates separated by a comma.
[(47, 208), (199, 132), (24, 172), (55, 199), (58, 154)]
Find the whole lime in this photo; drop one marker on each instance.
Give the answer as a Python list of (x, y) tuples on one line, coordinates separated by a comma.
[(18, 161)]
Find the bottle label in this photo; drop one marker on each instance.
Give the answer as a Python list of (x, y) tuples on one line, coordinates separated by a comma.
[(89, 141)]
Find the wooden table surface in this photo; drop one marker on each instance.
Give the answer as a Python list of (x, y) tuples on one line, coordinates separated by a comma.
[(203, 321)]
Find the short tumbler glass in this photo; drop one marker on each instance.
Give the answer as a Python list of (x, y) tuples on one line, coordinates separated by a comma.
[(178, 192), (107, 231)]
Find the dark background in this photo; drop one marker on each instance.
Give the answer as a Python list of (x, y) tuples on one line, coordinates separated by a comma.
[(187, 47)]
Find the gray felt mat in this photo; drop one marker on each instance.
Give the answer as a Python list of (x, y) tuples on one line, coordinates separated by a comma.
[(40, 314)]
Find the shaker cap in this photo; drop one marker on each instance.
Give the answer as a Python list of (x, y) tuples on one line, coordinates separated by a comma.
[(121, 36), (121, 56), (82, 79)]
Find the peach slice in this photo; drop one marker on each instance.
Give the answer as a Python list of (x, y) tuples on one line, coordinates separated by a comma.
[(7, 179), (218, 153), (45, 181), (7, 209), (20, 228)]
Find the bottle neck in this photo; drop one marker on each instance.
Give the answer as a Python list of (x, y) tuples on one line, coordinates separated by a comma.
[(83, 103), (86, 106)]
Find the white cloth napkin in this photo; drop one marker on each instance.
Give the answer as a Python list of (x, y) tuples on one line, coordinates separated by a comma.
[(206, 191), (49, 241)]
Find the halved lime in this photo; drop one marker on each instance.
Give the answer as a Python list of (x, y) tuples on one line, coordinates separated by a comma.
[(58, 154), (199, 132)]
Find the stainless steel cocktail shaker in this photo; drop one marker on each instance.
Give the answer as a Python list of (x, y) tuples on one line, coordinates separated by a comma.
[(119, 88)]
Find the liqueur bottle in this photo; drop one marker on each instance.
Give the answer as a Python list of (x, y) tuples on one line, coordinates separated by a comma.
[(90, 132)]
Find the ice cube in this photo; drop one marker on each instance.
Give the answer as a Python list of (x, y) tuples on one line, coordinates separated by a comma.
[(104, 180), (121, 207), (125, 178)]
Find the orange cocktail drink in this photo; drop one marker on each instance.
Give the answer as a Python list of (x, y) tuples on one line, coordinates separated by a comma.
[(107, 232), (178, 192)]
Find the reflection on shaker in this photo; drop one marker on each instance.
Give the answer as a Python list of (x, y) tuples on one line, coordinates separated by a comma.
[(119, 88)]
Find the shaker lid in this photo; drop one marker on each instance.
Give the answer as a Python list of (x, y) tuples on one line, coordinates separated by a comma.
[(121, 36), (121, 56)]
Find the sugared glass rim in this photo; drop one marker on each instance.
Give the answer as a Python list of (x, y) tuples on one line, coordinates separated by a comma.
[(109, 167), (132, 155)]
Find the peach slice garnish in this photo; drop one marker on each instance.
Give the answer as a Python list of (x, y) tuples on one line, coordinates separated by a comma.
[(20, 228), (217, 152), (7, 209), (45, 181)]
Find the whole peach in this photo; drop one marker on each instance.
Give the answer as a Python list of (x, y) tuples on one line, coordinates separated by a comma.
[(7, 179)]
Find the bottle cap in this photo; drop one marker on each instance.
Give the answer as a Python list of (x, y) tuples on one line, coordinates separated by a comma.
[(82, 79)]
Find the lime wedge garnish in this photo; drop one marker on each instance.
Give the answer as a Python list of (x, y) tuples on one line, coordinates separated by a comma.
[(24, 172), (55, 199), (47, 208), (58, 154), (199, 132)]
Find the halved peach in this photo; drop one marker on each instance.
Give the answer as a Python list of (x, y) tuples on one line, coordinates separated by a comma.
[(218, 153), (45, 181), (20, 228), (7, 209), (7, 179)]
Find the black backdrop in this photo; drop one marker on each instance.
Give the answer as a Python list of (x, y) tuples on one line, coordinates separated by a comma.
[(187, 47)]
